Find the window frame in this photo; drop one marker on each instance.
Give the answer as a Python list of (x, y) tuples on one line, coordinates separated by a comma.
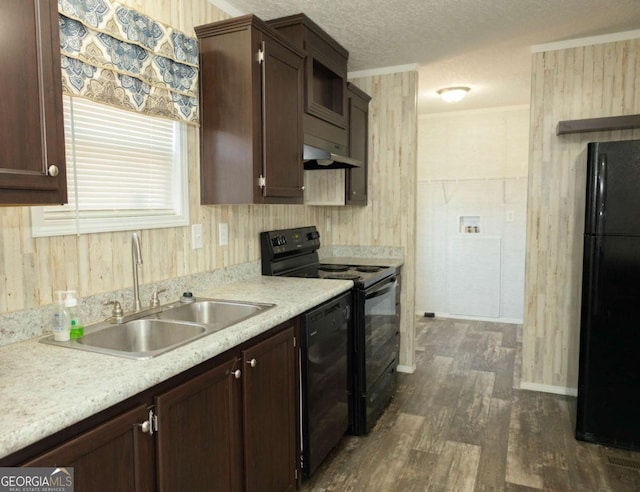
[(47, 221)]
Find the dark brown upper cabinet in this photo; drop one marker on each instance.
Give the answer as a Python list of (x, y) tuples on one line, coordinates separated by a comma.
[(251, 104), (325, 90), (32, 156), (358, 113)]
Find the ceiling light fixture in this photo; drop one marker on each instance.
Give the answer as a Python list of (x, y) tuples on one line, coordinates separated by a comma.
[(453, 94)]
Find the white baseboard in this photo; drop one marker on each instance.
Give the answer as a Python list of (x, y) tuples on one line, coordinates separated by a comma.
[(548, 388), (406, 369), (514, 321)]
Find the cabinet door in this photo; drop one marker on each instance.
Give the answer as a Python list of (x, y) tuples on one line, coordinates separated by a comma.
[(325, 84), (325, 72), (116, 455), (199, 433), (32, 159), (270, 419), (356, 186), (282, 78)]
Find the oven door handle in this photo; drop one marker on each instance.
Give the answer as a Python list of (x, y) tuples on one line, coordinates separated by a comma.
[(383, 289)]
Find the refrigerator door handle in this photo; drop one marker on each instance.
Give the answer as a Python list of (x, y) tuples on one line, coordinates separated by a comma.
[(601, 193), (595, 285)]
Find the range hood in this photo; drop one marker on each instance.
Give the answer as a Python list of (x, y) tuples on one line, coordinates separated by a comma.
[(316, 158)]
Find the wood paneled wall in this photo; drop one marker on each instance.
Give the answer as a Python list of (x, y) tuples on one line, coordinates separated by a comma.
[(390, 217), (585, 82), (32, 268)]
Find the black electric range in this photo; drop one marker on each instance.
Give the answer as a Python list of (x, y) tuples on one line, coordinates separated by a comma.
[(374, 339)]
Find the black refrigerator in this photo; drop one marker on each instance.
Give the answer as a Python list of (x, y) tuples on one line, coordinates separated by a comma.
[(608, 406)]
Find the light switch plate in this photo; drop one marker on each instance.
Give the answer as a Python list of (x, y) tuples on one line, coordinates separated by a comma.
[(223, 234), (196, 236)]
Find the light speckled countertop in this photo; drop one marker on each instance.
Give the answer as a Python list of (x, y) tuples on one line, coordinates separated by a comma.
[(44, 389)]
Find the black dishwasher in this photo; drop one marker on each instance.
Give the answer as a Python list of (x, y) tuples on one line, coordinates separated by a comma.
[(324, 383)]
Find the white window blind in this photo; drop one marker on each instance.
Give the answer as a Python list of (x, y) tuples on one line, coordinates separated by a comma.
[(125, 171)]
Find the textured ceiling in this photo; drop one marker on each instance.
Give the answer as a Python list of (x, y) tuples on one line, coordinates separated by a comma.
[(484, 44)]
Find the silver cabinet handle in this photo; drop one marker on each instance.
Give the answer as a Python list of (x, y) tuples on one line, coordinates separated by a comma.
[(53, 170), (252, 362), (149, 425), (237, 373)]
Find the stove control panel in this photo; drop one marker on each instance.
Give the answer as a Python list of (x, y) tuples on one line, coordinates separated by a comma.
[(278, 241), (287, 243), (287, 240)]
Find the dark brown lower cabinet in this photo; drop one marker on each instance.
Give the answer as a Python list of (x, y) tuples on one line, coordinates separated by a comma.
[(270, 419), (229, 425), (116, 455), (199, 439)]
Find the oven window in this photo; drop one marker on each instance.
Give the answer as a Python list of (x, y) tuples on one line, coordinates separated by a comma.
[(380, 330)]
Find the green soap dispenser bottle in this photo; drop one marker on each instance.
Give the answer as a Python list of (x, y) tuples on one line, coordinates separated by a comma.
[(71, 305)]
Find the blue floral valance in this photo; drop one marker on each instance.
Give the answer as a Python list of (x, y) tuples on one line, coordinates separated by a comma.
[(117, 56)]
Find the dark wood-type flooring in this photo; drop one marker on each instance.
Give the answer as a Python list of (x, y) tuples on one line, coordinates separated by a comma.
[(459, 423)]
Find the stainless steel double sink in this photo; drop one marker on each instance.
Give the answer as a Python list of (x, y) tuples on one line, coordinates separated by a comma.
[(176, 325)]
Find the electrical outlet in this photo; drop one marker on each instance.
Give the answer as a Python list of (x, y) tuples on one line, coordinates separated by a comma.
[(196, 236), (510, 216), (223, 234)]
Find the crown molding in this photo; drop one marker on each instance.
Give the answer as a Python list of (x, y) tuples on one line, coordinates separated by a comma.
[(413, 67), (577, 43)]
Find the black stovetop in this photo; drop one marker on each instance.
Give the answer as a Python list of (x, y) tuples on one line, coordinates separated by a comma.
[(361, 274)]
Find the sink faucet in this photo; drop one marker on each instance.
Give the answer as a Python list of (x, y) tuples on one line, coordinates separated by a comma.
[(117, 314), (136, 257)]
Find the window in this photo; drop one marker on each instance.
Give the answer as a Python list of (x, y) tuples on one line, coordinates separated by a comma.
[(125, 171)]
